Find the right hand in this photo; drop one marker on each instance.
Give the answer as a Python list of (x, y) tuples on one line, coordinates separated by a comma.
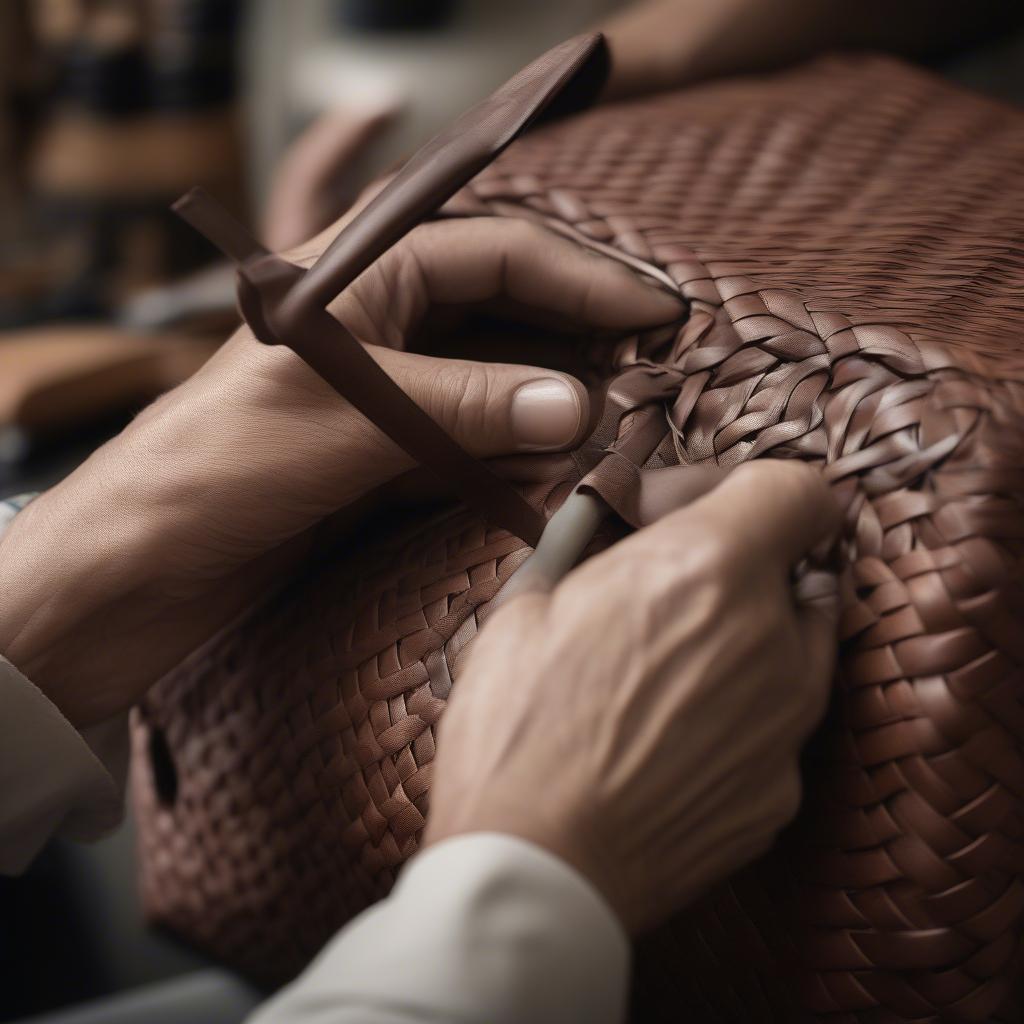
[(643, 720)]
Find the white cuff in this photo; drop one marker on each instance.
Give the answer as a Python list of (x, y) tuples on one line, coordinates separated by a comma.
[(480, 928), (53, 779)]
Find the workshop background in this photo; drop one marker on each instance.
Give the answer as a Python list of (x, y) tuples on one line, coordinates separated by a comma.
[(109, 110)]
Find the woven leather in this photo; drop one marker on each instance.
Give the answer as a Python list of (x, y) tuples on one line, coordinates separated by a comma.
[(850, 238)]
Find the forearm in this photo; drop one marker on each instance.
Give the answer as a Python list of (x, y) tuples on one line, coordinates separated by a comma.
[(57, 563), (163, 535), (53, 779), (95, 606), (81, 577), (664, 44)]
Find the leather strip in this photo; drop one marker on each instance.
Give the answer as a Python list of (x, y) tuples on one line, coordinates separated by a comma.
[(284, 304), (642, 496)]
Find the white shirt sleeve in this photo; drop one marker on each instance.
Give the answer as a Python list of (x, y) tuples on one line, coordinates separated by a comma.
[(482, 928), (54, 780)]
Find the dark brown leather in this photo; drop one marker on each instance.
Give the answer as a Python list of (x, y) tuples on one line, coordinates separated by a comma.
[(286, 304), (849, 237)]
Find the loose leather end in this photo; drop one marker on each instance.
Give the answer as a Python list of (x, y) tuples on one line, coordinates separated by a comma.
[(201, 211), (584, 87)]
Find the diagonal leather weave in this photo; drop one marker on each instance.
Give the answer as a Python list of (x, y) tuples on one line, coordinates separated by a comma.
[(851, 238)]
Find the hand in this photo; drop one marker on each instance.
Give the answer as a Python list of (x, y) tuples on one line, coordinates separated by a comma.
[(666, 44), (215, 491), (643, 720)]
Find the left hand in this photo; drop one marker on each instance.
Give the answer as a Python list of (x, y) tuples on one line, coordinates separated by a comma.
[(212, 493), (643, 720)]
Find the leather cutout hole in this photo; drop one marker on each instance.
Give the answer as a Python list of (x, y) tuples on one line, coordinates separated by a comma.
[(165, 774)]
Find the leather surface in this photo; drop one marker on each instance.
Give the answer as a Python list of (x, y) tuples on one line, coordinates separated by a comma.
[(849, 235)]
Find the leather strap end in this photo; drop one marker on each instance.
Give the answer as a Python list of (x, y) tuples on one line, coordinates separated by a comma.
[(200, 210)]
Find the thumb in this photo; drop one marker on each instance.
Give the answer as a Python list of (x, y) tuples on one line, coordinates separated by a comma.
[(492, 408)]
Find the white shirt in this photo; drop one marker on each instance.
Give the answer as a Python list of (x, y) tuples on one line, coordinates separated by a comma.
[(480, 928)]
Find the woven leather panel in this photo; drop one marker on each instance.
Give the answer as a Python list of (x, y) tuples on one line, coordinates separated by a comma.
[(302, 742), (850, 237)]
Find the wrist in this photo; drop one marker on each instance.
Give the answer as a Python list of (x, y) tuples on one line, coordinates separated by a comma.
[(63, 568), (86, 566), (572, 843)]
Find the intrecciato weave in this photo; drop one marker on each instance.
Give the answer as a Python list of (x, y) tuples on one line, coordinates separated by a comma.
[(851, 239)]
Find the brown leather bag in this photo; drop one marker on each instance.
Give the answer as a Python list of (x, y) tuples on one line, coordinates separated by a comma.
[(850, 237)]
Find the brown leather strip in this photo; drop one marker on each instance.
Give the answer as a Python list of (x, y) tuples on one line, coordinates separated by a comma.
[(286, 305), (347, 366), (331, 350), (641, 497), (211, 220), (441, 167)]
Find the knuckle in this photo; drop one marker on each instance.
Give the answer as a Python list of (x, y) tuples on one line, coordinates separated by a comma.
[(614, 572), (762, 472), (790, 488), (458, 391), (631, 579), (533, 245), (665, 562), (436, 238), (661, 579), (692, 574)]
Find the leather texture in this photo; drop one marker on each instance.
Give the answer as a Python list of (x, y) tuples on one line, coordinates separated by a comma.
[(849, 237)]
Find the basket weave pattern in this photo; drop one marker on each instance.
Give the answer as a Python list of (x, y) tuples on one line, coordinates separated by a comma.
[(850, 238)]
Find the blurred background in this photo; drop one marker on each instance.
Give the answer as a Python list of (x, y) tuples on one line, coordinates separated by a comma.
[(111, 109)]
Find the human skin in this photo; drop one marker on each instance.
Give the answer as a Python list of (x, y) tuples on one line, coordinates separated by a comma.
[(666, 44), (218, 488), (643, 720)]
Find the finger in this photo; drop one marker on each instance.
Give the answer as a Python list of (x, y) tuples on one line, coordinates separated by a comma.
[(658, 545), (492, 408), (308, 179), (474, 260), (772, 509)]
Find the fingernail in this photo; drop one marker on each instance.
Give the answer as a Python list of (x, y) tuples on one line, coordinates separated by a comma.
[(545, 413)]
